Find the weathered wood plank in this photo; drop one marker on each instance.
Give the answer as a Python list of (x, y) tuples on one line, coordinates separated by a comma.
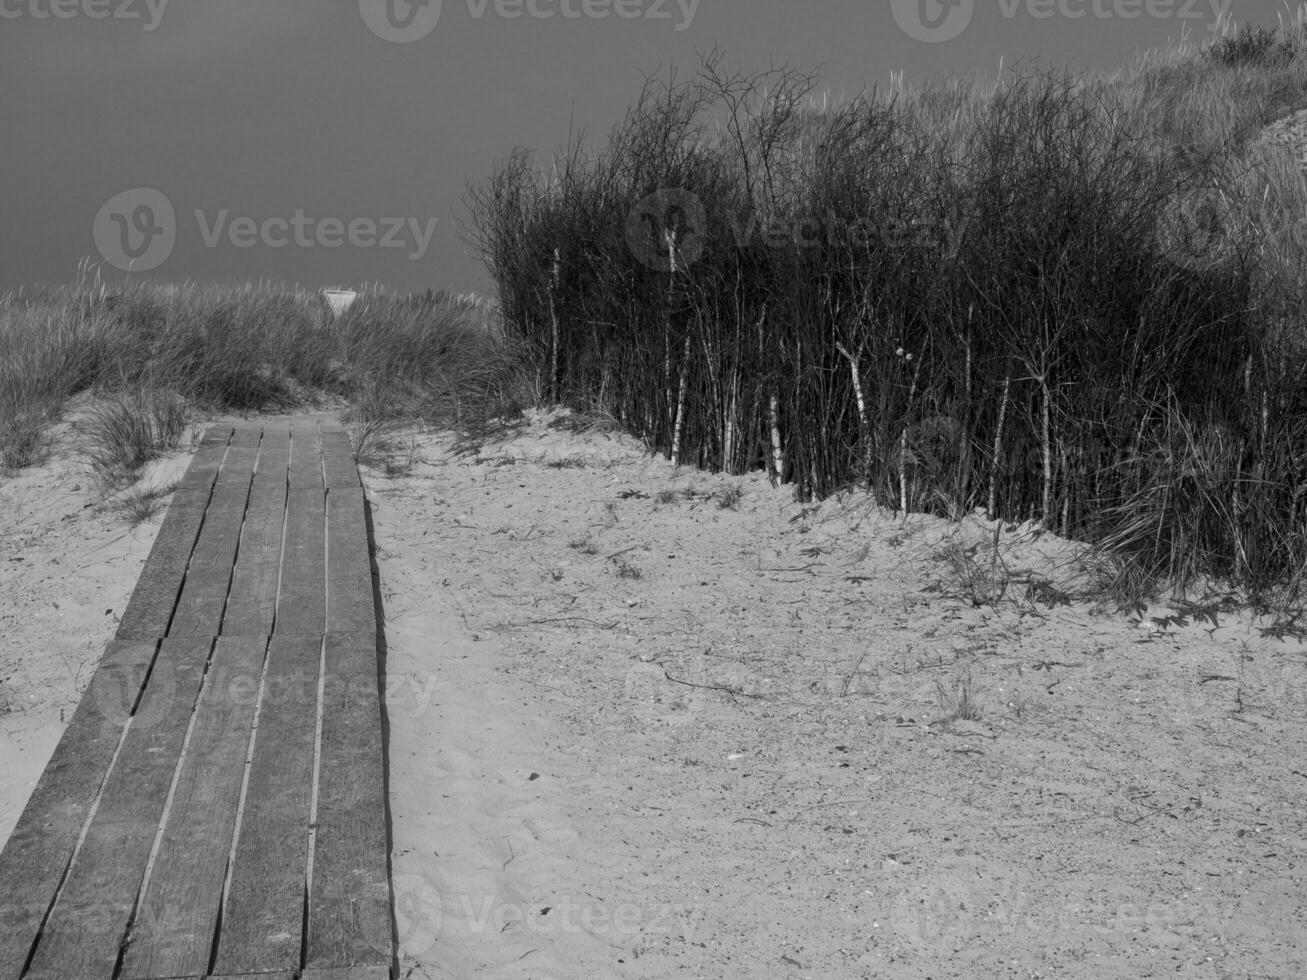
[(273, 467), (349, 907), (150, 608), (84, 933), (339, 470), (305, 457), (238, 465), (252, 601), (348, 973), (262, 925), (220, 532), (204, 593), (207, 460), (302, 598), (350, 606), (41, 846), (177, 918)]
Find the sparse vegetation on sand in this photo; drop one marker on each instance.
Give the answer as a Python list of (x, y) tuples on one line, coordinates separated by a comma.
[(1077, 300)]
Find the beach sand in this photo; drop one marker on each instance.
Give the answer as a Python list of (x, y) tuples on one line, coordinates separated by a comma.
[(656, 723)]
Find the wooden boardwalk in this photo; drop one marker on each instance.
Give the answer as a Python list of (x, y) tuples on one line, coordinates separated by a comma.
[(217, 806)]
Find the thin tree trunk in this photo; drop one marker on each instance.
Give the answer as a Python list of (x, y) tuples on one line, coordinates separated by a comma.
[(680, 404), (777, 453), (1066, 495), (728, 442), (670, 239), (998, 446), (864, 427), (962, 487), (712, 362), (1046, 499), (903, 473), (903, 445), (553, 317)]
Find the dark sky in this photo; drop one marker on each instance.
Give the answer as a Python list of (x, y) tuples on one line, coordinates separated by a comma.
[(265, 110)]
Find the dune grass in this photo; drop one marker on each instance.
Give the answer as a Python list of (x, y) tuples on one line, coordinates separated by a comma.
[(155, 352)]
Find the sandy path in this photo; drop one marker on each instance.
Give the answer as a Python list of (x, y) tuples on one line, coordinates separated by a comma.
[(633, 737), (1128, 803), (67, 567)]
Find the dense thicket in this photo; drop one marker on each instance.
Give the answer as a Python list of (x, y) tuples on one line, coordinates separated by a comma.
[(1022, 298)]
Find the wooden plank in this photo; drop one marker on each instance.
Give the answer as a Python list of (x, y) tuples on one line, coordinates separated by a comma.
[(349, 903), (85, 931), (41, 846), (262, 924), (204, 593), (350, 606), (207, 459), (339, 470), (302, 598), (252, 602), (238, 465), (348, 973), (177, 918), (150, 608), (305, 457), (273, 468)]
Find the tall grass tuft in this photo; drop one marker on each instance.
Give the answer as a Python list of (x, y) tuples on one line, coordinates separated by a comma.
[(26, 413), (1256, 46), (128, 430)]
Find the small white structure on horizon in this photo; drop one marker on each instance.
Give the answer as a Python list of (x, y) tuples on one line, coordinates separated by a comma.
[(340, 299)]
